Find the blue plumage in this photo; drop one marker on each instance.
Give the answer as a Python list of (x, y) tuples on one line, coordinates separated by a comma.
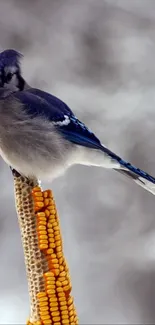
[(40, 103)]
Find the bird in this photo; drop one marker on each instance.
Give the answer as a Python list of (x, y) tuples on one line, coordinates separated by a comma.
[(41, 137)]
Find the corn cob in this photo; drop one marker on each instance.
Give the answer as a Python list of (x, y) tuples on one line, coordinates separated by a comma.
[(47, 271)]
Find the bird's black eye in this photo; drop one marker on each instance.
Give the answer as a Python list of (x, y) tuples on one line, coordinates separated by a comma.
[(9, 77)]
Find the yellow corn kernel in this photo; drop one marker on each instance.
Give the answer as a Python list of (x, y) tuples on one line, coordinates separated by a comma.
[(65, 318), (57, 237), (47, 213), (60, 262), (55, 313), (42, 232), (41, 227), (71, 307), (50, 231), (45, 194), (51, 199), (58, 243), (49, 274), (51, 292), (71, 318), (36, 189), (51, 216), (59, 289), (53, 305), (56, 271), (41, 294), (51, 240), (37, 193), (55, 224), (50, 282), (65, 321), (51, 287), (43, 303), (44, 313), (62, 268), (42, 218), (46, 202), (43, 242), (51, 220), (41, 214), (63, 308), (39, 199), (46, 308), (63, 273), (62, 278), (42, 222), (53, 299), (64, 312), (49, 251), (67, 287), (71, 313), (70, 301), (50, 194), (65, 283), (50, 207), (43, 237), (62, 303), (52, 245), (45, 317), (57, 232), (39, 204), (62, 298), (54, 260), (42, 247), (55, 308), (58, 249), (47, 322), (58, 283), (56, 319), (43, 298), (50, 235), (49, 225), (53, 266), (59, 254), (61, 294)]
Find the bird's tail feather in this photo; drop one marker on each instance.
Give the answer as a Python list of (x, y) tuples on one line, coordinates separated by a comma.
[(139, 176)]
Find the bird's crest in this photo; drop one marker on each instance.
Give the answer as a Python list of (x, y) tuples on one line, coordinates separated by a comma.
[(10, 57)]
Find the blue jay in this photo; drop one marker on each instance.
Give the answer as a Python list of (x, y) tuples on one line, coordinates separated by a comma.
[(40, 137)]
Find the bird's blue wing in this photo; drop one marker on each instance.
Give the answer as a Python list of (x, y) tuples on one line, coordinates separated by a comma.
[(75, 131), (38, 106), (39, 103)]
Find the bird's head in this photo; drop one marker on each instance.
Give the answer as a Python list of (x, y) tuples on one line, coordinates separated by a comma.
[(10, 72)]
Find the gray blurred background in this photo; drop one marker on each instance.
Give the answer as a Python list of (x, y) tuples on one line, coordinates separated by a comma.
[(98, 56)]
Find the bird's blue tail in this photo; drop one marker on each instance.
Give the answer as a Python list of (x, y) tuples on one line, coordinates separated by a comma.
[(139, 176)]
